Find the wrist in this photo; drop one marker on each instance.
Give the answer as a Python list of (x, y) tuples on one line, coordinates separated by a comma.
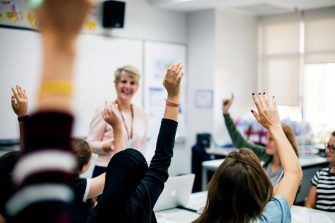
[(22, 118), (171, 103)]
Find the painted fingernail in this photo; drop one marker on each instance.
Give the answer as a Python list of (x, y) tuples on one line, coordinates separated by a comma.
[(252, 111), (263, 92), (253, 93), (259, 93)]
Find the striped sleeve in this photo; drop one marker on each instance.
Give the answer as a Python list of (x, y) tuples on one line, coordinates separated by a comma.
[(325, 191), (42, 174)]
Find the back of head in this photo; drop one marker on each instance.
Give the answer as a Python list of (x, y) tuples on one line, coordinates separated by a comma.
[(83, 154), (7, 164), (289, 133), (128, 70), (238, 190), (124, 173)]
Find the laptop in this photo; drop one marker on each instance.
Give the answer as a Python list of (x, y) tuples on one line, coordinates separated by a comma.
[(177, 191)]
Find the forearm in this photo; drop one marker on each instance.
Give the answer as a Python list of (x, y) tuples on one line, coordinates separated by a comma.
[(119, 143), (290, 182), (58, 64)]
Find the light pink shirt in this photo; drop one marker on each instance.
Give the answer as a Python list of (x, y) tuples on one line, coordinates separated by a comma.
[(101, 132)]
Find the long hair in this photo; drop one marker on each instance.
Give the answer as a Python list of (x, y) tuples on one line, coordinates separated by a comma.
[(289, 133), (238, 190)]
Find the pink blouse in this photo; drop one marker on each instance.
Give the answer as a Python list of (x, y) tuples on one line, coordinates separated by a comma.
[(100, 133)]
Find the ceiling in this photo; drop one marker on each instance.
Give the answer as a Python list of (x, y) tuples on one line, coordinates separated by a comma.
[(254, 7)]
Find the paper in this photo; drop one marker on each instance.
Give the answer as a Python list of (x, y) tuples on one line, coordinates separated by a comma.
[(310, 218)]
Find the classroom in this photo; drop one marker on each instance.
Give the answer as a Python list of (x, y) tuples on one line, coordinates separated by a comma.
[(229, 50)]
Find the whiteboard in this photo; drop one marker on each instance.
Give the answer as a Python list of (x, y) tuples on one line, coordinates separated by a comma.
[(97, 59)]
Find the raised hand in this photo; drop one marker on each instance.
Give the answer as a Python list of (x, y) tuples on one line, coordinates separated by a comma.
[(63, 17), (111, 116), (267, 114), (172, 80), (226, 104), (19, 101)]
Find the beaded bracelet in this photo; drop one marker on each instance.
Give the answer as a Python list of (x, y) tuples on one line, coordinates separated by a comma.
[(64, 88), (171, 104)]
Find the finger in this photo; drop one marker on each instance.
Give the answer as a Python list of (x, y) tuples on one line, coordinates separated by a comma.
[(274, 103), (261, 100), (15, 93), (19, 91), (255, 114), (13, 101), (181, 75), (256, 101), (179, 68), (265, 101)]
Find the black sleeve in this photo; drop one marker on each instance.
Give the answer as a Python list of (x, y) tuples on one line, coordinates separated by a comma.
[(153, 182)]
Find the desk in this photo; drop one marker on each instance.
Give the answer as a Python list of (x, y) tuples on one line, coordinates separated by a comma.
[(299, 214), (309, 165)]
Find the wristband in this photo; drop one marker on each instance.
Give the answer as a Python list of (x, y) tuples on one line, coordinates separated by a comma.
[(56, 88), (171, 104), (23, 118)]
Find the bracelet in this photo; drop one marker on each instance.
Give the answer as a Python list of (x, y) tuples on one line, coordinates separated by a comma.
[(171, 104), (64, 88), (23, 118)]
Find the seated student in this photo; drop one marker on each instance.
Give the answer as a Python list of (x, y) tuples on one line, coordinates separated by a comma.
[(240, 191), (269, 154), (321, 196)]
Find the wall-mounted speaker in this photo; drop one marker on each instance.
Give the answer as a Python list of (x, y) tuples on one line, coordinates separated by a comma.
[(113, 14)]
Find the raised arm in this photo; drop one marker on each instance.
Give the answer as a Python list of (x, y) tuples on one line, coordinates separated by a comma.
[(236, 137), (19, 101), (110, 115), (267, 115), (48, 130)]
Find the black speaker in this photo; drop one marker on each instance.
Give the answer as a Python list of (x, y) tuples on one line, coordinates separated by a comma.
[(113, 14)]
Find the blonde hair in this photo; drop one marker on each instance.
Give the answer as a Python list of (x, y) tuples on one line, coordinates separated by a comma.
[(289, 133), (128, 70)]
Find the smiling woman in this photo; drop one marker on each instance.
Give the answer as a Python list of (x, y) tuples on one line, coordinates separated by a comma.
[(134, 120)]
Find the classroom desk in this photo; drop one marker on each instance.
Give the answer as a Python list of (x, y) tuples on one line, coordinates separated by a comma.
[(309, 165), (178, 215)]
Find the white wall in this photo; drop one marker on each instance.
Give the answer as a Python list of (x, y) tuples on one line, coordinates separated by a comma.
[(142, 21), (235, 66)]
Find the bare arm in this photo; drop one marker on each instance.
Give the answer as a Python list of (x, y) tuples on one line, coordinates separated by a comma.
[(172, 85), (19, 101), (97, 186), (268, 116), (311, 198)]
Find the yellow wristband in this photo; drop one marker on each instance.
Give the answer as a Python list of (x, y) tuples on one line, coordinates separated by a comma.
[(64, 88)]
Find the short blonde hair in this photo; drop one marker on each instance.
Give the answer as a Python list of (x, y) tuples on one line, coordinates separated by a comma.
[(128, 70)]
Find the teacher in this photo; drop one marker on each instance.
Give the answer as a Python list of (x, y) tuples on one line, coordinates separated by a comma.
[(134, 120)]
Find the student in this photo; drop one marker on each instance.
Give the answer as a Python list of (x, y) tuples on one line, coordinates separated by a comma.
[(42, 175), (321, 196), (85, 189), (268, 154), (241, 192), (134, 120), (131, 188)]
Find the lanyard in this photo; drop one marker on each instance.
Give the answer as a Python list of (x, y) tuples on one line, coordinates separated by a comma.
[(129, 133)]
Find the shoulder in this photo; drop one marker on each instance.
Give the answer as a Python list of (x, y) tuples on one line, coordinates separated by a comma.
[(276, 210)]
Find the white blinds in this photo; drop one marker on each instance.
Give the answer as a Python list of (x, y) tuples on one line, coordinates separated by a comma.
[(280, 57), (320, 35)]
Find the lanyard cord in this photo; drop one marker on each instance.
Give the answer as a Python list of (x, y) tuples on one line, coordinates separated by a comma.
[(130, 135)]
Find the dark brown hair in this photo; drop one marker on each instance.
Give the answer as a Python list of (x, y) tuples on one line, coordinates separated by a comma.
[(83, 154), (333, 133), (238, 190)]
